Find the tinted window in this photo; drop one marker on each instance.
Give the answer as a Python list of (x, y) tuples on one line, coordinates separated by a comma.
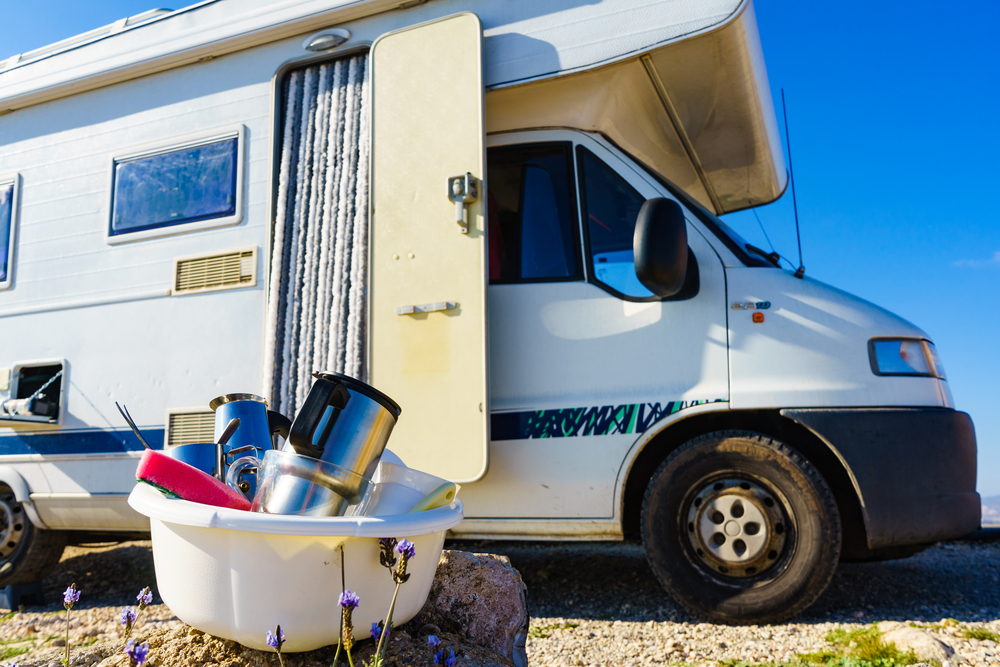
[(174, 187), (532, 220), (6, 226), (611, 208)]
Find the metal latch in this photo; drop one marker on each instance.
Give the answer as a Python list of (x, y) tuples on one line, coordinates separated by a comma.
[(462, 190), (426, 308)]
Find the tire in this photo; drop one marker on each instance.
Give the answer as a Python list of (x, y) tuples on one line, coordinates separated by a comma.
[(740, 528), (27, 553)]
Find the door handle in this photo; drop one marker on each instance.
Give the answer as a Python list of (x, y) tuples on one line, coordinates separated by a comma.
[(426, 308)]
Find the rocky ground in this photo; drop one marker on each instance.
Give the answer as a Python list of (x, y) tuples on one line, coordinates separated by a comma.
[(591, 604), (599, 604)]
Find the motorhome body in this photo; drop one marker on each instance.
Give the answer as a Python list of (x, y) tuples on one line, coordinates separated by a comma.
[(200, 203)]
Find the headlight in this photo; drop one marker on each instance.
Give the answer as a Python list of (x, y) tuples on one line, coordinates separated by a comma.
[(904, 356)]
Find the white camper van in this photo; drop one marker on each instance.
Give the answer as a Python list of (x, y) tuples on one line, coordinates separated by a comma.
[(502, 215)]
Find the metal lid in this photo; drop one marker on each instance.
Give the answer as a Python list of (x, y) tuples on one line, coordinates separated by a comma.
[(353, 384), (232, 398)]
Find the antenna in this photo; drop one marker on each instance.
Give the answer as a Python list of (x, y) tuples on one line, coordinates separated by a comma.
[(801, 271)]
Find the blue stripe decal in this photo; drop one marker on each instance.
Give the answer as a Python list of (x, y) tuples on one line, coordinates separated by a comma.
[(117, 441)]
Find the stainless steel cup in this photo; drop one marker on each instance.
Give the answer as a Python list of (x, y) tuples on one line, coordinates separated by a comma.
[(288, 483)]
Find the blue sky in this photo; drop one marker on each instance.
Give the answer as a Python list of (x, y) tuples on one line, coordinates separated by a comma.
[(892, 108)]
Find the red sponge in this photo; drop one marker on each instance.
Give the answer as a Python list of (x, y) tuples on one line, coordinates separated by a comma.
[(181, 480)]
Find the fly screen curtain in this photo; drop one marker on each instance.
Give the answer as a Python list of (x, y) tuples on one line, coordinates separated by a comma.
[(316, 295)]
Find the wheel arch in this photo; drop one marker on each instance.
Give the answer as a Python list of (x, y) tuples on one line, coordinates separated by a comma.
[(771, 423), (13, 479)]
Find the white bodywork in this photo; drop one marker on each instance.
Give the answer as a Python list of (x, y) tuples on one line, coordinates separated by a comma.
[(109, 309)]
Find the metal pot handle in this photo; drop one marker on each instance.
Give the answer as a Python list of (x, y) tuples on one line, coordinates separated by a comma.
[(237, 469)]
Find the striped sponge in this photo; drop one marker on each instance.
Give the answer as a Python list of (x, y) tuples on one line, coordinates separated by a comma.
[(180, 480)]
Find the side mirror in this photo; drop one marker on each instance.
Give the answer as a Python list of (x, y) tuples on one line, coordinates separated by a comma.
[(660, 247)]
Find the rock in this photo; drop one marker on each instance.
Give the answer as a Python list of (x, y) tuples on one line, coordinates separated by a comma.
[(482, 596), (923, 644)]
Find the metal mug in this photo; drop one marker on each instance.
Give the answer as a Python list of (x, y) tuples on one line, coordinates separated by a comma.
[(258, 425), (345, 422), (288, 483)]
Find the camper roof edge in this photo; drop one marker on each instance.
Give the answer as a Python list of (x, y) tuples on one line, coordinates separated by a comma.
[(208, 29), (48, 79)]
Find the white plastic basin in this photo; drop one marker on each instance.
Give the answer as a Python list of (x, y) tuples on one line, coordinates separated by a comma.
[(236, 574)]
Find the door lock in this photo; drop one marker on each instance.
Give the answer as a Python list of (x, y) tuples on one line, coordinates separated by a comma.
[(462, 190)]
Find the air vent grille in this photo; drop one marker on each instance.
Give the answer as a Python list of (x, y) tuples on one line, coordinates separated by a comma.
[(184, 428), (214, 272)]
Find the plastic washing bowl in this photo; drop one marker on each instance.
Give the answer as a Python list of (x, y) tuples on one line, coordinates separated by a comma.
[(236, 574)]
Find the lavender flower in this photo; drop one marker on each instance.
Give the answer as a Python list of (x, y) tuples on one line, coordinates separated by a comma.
[(144, 598), (439, 658), (349, 600), (376, 631), (433, 641), (406, 551), (277, 639), (406, 548), (136, 652), (128, 618), (450, 662), (70, 597)]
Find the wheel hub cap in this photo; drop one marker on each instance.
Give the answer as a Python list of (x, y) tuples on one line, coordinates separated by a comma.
[(736, 527), (733, 529)]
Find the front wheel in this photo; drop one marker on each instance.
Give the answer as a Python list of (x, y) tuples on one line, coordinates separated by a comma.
[(27, 553), (740, 528)]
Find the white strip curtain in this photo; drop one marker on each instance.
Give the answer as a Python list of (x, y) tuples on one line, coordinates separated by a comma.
[(319, 255)]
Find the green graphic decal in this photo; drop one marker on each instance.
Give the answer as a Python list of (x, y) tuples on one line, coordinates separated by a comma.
[(568, 422)]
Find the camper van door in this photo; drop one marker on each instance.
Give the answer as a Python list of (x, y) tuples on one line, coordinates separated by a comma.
[(427, 275)]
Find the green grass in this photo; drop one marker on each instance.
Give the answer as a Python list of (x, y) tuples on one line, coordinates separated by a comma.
[(863, 647), (980, 634), (544, 631), (9, 652)]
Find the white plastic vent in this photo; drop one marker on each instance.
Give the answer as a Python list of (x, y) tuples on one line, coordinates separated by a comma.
[(185, 428), (206, 273)]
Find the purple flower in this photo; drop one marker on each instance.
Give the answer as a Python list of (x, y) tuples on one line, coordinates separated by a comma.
[(406, 548), (277, 639), (376, 631), (70, 596), (136, 652), (388, 542), (450, 662), (128, 617), (433, 641), (349, 600), (144, 598)]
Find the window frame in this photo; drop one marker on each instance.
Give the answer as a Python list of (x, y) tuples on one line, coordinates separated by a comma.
[(15, 180), (571, 176), (691, 280), (173, 144), (13, 388)]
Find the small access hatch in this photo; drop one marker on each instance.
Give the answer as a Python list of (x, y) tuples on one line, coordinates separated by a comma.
[(427, 303)]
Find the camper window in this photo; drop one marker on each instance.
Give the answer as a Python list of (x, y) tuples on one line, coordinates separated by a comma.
[(532, 214), (176, 188), (8, 213), (35, 392)]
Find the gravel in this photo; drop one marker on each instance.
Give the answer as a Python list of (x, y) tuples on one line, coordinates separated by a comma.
[(599, 604)]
